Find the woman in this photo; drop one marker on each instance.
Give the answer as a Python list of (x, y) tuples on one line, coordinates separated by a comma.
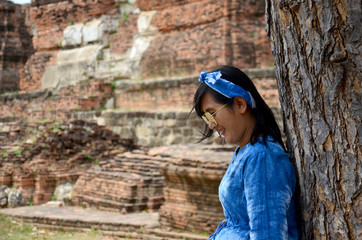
[(257, 190)]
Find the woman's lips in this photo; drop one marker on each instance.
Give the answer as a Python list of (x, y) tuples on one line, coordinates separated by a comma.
[(221, 132)]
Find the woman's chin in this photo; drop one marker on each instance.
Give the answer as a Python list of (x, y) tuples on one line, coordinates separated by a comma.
[(226, 140)]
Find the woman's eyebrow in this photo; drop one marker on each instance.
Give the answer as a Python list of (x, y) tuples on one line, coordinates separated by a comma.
[(210, 110)]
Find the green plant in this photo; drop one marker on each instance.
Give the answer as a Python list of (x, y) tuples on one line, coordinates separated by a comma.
[(35, 170), (125, 16), (30, 203), (17, 152), (71, 22), (112, 31), (100, 56), (53, 165), (54, 198), (55, 127), (114, 85)]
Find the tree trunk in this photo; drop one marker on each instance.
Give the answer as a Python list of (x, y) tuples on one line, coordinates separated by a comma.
[(317, 49)]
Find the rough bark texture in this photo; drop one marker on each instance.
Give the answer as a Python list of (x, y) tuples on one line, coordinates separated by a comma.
[(317, 49)]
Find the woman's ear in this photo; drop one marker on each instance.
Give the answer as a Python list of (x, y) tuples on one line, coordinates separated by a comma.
[(240, 104)]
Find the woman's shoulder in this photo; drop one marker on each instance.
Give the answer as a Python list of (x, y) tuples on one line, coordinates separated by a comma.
[(268, 152), (265, 146), (266, 157)]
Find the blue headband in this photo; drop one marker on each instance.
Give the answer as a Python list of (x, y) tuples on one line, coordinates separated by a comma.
[(226, 88)]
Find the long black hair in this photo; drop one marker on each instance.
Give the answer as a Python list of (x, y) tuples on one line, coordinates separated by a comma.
[(265, 124)]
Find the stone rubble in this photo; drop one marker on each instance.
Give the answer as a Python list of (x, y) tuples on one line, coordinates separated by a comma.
[(60, 153)]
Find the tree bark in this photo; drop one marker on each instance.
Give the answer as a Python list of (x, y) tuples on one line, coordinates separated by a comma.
[(317, 50)]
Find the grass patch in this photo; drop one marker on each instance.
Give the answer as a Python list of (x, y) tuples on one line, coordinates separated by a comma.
[(13, 230)]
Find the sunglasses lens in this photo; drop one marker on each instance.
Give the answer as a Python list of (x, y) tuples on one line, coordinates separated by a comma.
[(205, 119), (210, 118)]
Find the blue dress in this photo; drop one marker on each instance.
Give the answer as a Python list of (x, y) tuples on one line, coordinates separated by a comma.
[(257, 195)]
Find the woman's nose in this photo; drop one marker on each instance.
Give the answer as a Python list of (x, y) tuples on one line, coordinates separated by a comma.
[(212, 125)]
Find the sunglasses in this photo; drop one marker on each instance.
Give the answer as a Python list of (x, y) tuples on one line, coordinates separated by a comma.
[(208, 117)]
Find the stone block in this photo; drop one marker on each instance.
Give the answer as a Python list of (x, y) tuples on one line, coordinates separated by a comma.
[(63, 191), (169, 123), (15, 199), (73, 36), (93, 31), (144, 22), (3, 196), (72, 66)]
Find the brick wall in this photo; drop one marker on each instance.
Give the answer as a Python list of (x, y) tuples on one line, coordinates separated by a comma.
[(155, 127), (15, 42), (199, 35), (52, 17), (191, 35), (31, 74), (177, 93), (49, 18), (122, 39), (47, 105)]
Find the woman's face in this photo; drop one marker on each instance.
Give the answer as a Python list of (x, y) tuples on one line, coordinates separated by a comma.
[(235, 125)]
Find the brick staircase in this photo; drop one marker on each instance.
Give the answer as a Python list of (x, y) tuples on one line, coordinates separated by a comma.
[(128, 183)]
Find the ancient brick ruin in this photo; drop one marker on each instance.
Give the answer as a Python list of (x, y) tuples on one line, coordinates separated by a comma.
[(131, 67), (16, 45)]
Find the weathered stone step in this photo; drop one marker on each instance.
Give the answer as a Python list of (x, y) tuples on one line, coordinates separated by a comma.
[(82, 218), (130, 226)]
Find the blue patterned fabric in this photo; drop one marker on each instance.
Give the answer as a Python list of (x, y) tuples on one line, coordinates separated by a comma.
[(226, 88), (257, 195)]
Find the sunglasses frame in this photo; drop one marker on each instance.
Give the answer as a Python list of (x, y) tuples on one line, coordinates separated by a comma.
[(209, 118)]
